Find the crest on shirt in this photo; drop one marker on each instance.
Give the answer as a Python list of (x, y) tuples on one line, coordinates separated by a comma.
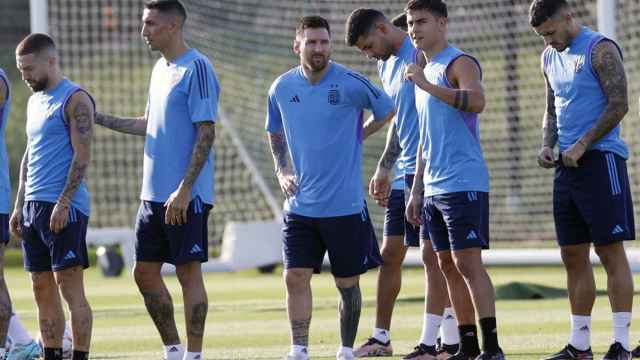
[(333, 97), (579, 64)]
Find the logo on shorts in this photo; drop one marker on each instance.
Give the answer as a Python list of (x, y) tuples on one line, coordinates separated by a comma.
[(70, 255), (472, 235), (195, 249), (617, 230)]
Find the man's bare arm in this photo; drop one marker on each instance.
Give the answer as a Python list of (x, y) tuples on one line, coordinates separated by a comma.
[(608, 65), (392, 149), (127, 125), (549, 120), (205, 137)]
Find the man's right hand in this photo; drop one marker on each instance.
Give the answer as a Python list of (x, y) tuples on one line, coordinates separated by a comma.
[(380, 186), (545, 158), (413, 211), (288, 182), (15, 223)]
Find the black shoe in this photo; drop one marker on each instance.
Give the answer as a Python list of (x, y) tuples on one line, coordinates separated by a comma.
[(446, 349), (571, 353), (617, 352), (461, 356), (488, 356), (421, 350)]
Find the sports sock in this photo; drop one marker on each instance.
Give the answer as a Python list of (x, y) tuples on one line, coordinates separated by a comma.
[(430, 327), (580, 332), (449, 327), (382, 335), (80, 355), (469, 340), (489, 335), (52, 353), (621, 324), (298, 349), (192, 355), (173, 352)]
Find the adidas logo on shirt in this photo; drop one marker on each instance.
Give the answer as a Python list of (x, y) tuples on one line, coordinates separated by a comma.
[(195, 249), (295, 99), (472, 235), (70, 255), (617, 230)]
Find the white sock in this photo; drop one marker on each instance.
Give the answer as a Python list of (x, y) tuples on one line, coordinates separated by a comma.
[(298, 349), (3, 352), (580, 332), (17, 332), (430, 328), (621, 324), (192, 356), (173, 352), (382, 335), (449, 327), (345, 351)]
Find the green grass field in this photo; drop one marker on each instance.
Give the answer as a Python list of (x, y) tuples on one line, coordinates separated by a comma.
[(247, 318)]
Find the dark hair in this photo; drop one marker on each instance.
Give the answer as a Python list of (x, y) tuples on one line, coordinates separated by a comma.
[(312, 22), (360, 23), (435, 7), (542, 10), (35, 43), (174, 7), (400, 21)]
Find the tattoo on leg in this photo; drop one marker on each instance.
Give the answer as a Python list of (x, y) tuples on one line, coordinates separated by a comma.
[(300, 332), (48, 330), (197, 319), (160, 309), (350, 305)]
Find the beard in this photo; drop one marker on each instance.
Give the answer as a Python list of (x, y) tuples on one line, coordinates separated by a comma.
[(317, 62), (39, 85)]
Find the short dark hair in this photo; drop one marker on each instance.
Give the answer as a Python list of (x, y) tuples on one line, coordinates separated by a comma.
[(35, 43), (543, 10), (312, 22), (174, 7), (435, 7), (360, 23), (400, 21)]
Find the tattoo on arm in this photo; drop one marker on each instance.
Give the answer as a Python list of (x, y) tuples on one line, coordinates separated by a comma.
[(279, 150), (160, 308), (204, 141), (127, 125), (23, 178), (462, 100), (608, 65), (300, 332), (392, 149), (81, 136), (550, 120)]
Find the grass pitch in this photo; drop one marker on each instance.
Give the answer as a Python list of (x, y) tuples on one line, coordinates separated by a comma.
[(247, 318)]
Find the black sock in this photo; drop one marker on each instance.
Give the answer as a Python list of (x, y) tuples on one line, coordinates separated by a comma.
[(52, 353), (80, 355), (469, 340), (489, 335)]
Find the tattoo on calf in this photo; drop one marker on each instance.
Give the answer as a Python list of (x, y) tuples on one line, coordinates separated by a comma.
[(197, 321), (300, 332), (160, 309), (350, 306)]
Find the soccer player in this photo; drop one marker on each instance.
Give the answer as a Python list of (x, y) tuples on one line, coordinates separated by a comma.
[(586, 101), (455, 178), (315, 115), (23, 345), (52, 206), (371, 32), (177, 183)]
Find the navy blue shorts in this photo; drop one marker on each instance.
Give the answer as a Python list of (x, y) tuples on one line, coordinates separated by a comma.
[(395, 220), (350, 241), (43, 250), (173, 244), (458, 220), (592, 203), (4, 228)]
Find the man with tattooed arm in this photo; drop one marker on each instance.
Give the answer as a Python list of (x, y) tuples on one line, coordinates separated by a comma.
[(177, 184)]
